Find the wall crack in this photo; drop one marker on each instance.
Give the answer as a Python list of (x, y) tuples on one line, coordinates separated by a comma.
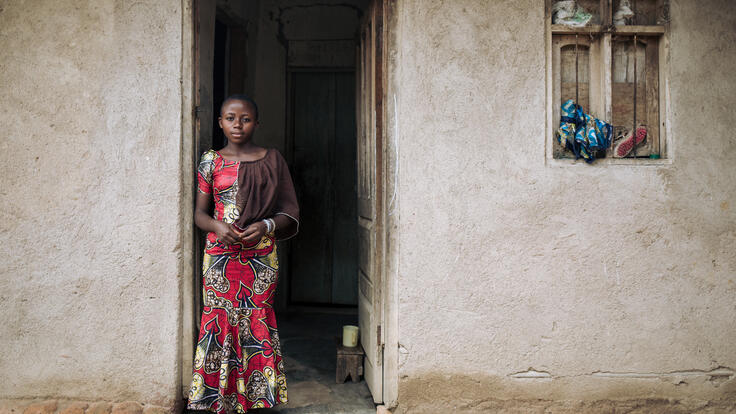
[(716, 375)]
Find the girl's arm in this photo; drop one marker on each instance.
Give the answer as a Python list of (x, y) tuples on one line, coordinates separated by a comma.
[(253, 232), (283, 222), (225, 232), (256, 230)]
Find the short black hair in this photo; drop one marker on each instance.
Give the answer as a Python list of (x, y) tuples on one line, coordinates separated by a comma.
[(242, 98)]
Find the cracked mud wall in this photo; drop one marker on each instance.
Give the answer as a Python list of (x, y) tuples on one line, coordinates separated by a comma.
[(559, 285), (90, 107)]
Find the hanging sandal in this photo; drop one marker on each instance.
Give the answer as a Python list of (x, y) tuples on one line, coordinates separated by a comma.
[(624, 147)]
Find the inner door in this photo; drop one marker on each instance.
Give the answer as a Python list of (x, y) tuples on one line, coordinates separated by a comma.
[(325, 253), (370, 197)]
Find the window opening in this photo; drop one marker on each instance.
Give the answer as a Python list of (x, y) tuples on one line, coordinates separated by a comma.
[(606, 57), (635, 93)]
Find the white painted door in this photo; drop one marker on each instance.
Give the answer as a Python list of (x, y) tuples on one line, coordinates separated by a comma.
[(370, 211)]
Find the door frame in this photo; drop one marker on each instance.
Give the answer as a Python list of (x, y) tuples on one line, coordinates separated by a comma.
[(387, 263), (389, 209), (189, 147)]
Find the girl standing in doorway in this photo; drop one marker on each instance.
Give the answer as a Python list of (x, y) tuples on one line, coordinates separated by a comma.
[(237, 363)]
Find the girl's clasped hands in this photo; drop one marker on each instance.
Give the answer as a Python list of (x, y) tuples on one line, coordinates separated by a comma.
[(230, 234)]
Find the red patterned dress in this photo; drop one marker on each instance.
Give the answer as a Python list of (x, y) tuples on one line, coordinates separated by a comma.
[(237, 363)]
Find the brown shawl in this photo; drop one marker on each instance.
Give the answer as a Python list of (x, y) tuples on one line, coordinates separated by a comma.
[(265, 189)]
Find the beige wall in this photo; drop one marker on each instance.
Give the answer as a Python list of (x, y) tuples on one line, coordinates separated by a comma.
[(91, 133), (609, 281)]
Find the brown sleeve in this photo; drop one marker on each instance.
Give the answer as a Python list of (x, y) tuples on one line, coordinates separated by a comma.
[(286, 202)]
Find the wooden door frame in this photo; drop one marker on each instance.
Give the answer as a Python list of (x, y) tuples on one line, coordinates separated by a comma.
[(189, 147), (385, 262), (389, 168), (194, 110)]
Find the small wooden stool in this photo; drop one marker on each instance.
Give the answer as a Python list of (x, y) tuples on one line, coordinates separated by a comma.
[(349, 362)]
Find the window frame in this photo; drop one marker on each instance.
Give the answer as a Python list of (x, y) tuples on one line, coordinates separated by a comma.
[(599, 39)]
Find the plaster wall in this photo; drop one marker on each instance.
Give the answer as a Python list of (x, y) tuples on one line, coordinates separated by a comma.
[(522, 279), (90, 108)]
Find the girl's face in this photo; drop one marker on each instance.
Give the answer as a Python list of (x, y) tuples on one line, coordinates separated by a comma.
[(238, 121)]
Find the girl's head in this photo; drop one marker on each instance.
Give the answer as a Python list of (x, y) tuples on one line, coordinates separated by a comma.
[(241, 98), (238, 118)]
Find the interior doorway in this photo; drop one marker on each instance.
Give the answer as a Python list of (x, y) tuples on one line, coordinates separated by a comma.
[(324, 267)]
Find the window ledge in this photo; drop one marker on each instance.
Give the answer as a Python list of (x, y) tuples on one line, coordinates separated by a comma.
[(596, 28), (569, 162)]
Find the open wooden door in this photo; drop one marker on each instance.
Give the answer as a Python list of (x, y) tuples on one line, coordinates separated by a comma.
[(204, 37), (197, 123), (370, 195)]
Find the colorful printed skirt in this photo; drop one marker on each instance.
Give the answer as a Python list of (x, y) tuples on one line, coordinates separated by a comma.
[(237, 363)]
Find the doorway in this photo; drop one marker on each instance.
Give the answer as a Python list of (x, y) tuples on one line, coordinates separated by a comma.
[(316, 71), (324, 267)]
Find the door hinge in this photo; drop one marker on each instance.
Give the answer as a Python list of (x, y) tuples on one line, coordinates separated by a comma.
[(379, 346)]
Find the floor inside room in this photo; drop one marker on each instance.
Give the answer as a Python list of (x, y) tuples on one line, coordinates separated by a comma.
[(308, 344)]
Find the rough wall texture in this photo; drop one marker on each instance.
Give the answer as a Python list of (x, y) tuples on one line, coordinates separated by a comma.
[(522, 279), (90, 106)]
